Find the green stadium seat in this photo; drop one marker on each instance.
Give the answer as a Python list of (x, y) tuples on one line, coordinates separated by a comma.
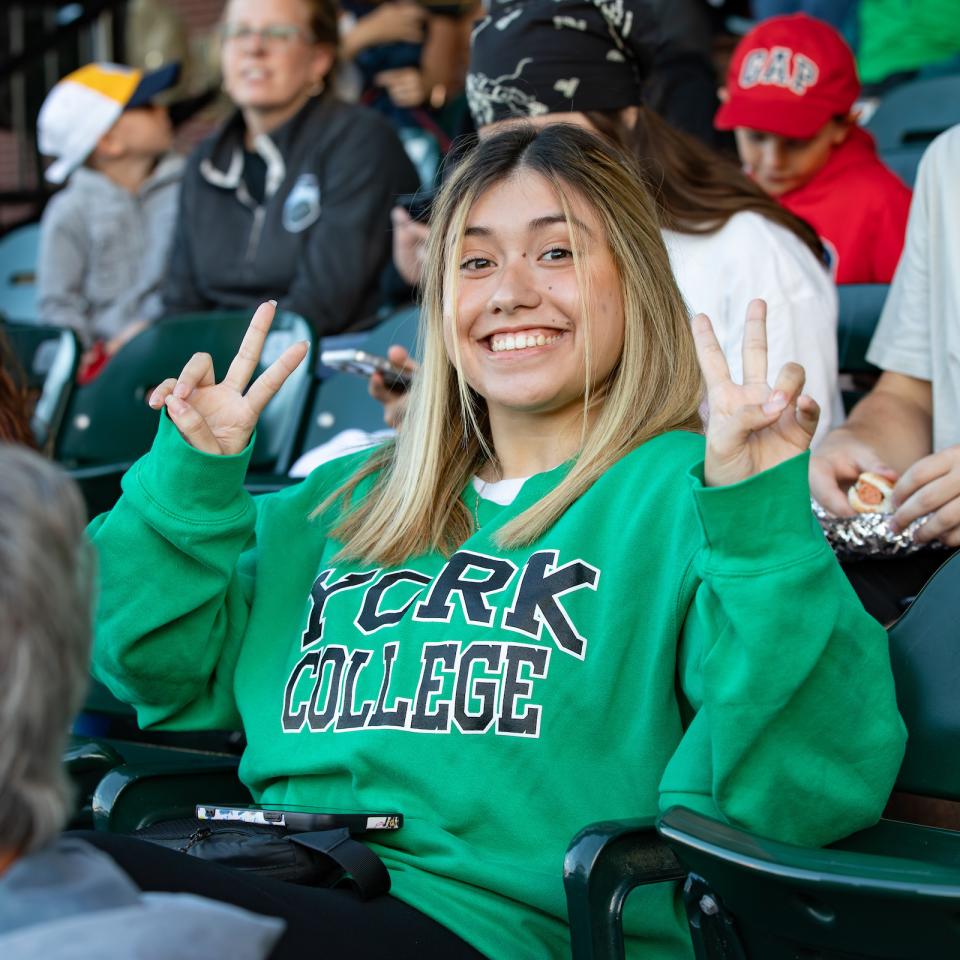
[(108, 424), (48, 358), (124, 785), (891, 892), (750, 897), (109, 420), (164, 784)]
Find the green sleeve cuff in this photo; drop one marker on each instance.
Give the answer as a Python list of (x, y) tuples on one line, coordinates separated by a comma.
[(762, 522), (189, 483)]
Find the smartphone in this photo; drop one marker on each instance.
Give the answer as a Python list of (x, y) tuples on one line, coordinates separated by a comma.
[(300, 819), (365, 364), (419, 205)]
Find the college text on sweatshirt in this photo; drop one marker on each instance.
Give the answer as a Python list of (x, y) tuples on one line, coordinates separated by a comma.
[(471, 686)]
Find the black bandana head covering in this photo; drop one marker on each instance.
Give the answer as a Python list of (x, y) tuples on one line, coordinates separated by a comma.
[(531, 58)]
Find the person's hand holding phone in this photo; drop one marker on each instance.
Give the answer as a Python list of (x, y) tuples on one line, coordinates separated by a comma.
[(219, 418), (394, 401)]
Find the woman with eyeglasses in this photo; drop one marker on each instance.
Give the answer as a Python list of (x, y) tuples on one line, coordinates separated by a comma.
[(290, 199)]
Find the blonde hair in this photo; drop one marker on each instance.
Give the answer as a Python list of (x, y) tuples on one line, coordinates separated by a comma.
[(414, 505)]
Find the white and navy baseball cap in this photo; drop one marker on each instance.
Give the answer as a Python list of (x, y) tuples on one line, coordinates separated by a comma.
[(85, 104)]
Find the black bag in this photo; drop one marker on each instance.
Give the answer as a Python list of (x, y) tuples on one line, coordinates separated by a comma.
[(319, 858)]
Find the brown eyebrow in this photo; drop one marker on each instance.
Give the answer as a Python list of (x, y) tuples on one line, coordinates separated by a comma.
[(548, 221)]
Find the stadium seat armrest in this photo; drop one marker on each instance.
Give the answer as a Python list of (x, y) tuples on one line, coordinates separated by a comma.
[(136, 795), (604, 862)]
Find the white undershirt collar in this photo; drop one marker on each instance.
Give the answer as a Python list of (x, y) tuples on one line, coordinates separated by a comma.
[(502, 492)]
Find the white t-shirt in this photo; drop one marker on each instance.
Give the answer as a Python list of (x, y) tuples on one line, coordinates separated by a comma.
[(919, 329), (753, 257), (503, 492)]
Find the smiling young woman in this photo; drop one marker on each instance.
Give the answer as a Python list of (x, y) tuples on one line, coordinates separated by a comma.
[(603, 641), (522, 334), (558, 241)]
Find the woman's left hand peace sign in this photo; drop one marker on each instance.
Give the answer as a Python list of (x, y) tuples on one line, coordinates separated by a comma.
[(751, 427)]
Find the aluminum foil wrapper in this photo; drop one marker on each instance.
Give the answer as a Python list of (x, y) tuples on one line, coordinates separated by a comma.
[(866, 535)]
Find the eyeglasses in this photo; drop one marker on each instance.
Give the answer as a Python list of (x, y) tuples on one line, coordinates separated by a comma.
[(272, 35)]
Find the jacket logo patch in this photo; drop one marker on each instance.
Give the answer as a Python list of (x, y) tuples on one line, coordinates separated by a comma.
[(302, 206)]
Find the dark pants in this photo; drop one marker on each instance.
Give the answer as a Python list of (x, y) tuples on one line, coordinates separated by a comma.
[(320, 922), (886, 587)]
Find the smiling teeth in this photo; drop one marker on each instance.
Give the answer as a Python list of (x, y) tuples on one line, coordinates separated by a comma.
[(521, 341)]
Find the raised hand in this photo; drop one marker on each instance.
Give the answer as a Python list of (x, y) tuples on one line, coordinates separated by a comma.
[(751, 427), (219, 418)]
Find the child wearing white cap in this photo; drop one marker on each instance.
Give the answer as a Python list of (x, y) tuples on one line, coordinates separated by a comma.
[(104, 239)]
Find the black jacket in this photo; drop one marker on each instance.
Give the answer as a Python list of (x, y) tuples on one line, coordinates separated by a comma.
[(320, 239)]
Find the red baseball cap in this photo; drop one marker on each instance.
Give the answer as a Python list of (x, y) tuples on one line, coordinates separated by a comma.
[(789, 76)]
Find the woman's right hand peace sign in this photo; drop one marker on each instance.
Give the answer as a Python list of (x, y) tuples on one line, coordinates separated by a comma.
[(219, 418)]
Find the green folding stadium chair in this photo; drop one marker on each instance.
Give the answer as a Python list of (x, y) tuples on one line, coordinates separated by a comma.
[(123, 785), (891, 892), (108, 424), (132, 794), (162, 784), (109, 420), (747, 897), (48, 358)]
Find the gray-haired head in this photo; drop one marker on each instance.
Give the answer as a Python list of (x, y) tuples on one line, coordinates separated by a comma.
[(45, 627)]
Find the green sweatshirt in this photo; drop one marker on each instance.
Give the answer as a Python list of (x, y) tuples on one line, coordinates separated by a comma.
[(663, 643)]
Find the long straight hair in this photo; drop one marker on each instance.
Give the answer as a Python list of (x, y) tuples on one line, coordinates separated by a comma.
[(696, 189), (414, 505)]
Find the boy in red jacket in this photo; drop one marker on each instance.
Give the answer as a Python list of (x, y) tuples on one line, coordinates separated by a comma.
[(790, 88)]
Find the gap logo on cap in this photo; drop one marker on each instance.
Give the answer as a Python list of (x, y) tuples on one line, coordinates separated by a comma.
[(778, 67)]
